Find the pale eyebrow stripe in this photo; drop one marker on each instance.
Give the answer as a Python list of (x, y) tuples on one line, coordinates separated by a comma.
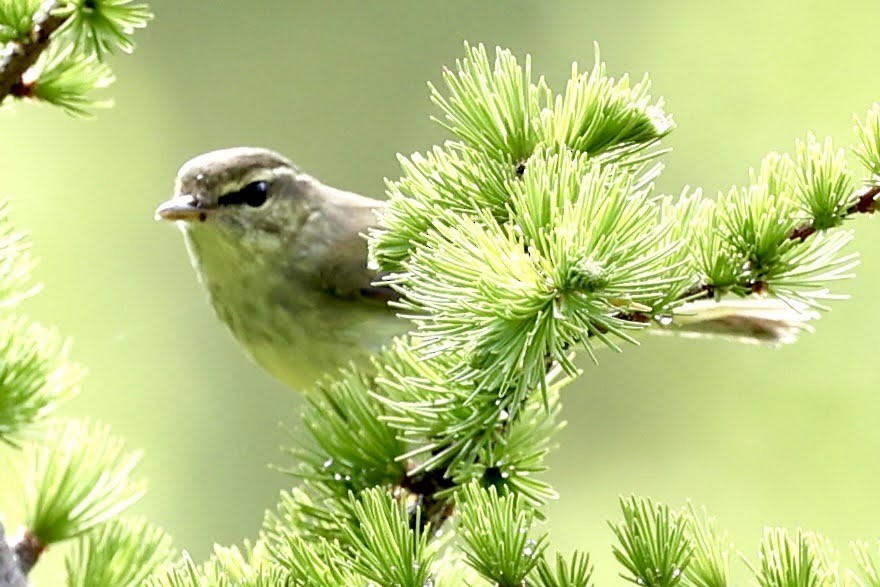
[(259, 175)]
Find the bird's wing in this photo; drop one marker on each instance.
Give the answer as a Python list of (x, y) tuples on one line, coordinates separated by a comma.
[(345, 271)]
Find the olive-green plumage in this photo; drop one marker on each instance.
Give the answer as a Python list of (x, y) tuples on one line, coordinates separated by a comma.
[(287, 275)]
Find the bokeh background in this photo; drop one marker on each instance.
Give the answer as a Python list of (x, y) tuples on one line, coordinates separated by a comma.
[(787, 437)]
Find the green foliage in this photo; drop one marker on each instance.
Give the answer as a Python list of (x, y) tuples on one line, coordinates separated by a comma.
[(35, 370), (575, 573), (804, 274), (237, 563), (804, 559), (492, 107), (502, 119), (35, 374), (473, 287), (514, 296), (539, 233), (353, 447), (315, 563), (386, 550), (297, 515), (868, 149), (656, 541), (747, 244), (82, 34), (817, 184), (268, 577), (376, 544), (513, 461), (74, 479), (67, 80), (16, 260), (495, 108), (452, 569), (758, 223), (445, 420), (248, 566), (653, 543), (74, 476), (717, 262), (16, 17), (468, 434), (681, 243), (446, 181), (598, 114), (495, 531), (823, 186), (228, 568), (710, 564), (122, 553), (98, 27), (183, 574), (868, 563), (583, 223)]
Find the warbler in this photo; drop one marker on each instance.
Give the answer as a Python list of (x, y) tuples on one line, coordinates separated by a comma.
[(284, 260)]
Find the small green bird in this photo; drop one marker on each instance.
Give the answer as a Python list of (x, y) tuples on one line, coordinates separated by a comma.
[(284, 261), (283, 258)]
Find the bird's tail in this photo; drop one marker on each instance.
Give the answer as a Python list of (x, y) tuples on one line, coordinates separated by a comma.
[(755, 320)]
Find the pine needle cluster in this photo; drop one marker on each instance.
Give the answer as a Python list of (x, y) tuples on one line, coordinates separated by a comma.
[(55, 51)]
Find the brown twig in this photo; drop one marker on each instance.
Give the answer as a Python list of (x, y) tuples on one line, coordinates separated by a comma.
[(28, 550), (19, 56), (420, 491), (866, 203)]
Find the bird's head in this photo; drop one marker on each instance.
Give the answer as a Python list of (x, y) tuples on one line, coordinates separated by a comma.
[(239, 191)]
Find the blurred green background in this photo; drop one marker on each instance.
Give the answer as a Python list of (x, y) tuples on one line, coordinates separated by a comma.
[(786, 437)]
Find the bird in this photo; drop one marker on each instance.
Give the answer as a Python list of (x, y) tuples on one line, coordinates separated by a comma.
[(284, 260)]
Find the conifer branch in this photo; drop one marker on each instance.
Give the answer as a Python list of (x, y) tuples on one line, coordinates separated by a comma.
[(865, 203), (20, 55), (74, 477)]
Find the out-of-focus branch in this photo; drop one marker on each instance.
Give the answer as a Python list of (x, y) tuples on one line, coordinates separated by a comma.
[(11, 572), (27, 551), (20, 55)]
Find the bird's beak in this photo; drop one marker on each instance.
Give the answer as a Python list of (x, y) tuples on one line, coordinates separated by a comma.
[(182, 207)]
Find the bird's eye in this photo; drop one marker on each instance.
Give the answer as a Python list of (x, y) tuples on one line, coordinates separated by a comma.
[(253, 194)]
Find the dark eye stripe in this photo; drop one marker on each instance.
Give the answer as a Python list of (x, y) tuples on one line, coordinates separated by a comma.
[(253, 194)]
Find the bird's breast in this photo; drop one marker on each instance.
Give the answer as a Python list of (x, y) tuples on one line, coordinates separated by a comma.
[(288, 326)]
